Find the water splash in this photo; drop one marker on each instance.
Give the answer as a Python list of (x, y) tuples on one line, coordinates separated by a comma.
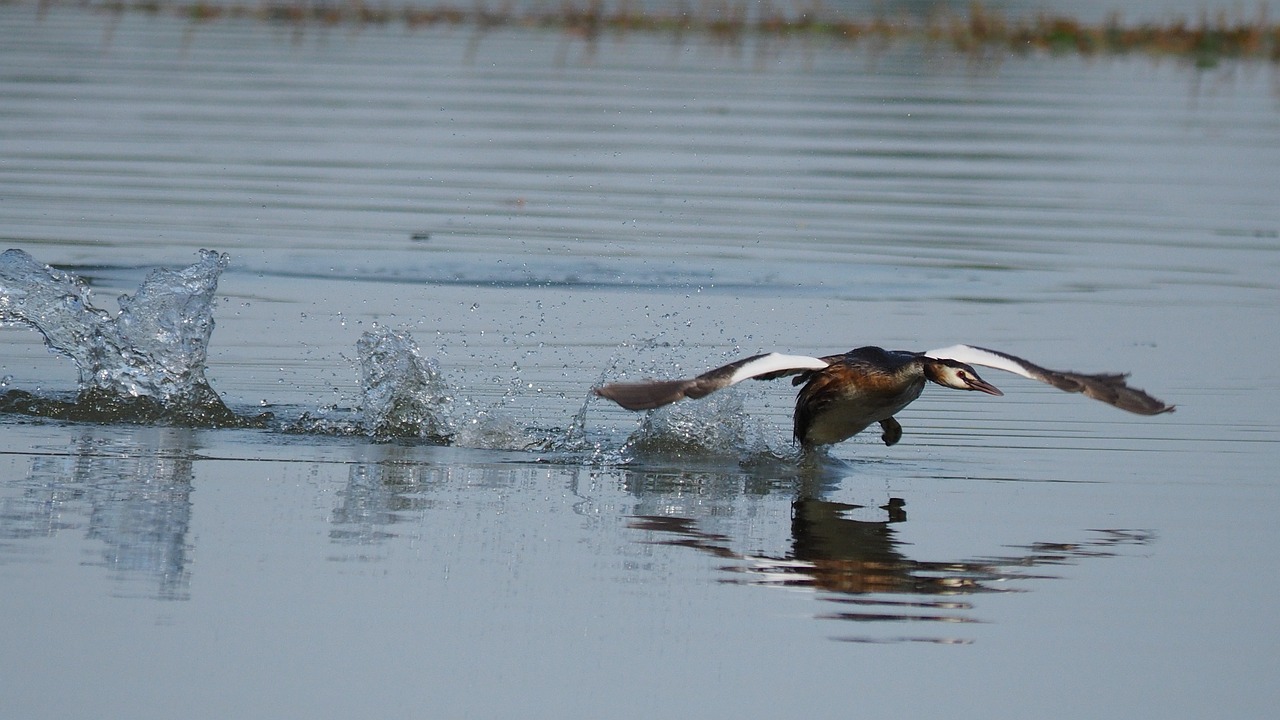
[(404, 394), (147, 364), (713, 430), (713, 426), (144, 364)]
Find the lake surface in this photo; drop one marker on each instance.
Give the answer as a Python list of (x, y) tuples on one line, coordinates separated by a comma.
[(542, 215)]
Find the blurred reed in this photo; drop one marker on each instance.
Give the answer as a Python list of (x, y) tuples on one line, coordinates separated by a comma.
[(1206, 39)]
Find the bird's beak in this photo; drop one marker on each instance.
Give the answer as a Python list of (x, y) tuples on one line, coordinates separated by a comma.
[(981, 385)]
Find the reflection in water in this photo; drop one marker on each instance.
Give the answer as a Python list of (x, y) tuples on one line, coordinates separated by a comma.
[(380, 494), (130, 492), (388, 496), (861, 565)]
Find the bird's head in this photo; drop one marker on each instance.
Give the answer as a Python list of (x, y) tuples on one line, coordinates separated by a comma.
[(958, 375)]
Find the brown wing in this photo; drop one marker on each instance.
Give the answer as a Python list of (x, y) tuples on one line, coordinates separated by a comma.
[(1110, 388)]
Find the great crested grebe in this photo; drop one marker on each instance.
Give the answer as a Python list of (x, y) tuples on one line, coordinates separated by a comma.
[(844, 394)]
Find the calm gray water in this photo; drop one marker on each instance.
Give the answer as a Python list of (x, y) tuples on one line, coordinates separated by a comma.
[(542, 215)]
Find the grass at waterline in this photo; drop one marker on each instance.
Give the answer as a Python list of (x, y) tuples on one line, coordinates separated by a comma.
[(1205, 39)]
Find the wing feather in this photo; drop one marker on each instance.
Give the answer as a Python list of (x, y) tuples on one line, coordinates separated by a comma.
[(656, 393), (1110, 388)]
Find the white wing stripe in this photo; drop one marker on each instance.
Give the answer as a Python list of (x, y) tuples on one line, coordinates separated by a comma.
[(977, 356), (774, 362)]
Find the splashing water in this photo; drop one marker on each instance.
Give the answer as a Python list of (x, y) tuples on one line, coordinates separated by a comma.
[(147, 364), (404, 394), (710, 430), (713, 426), (144, 364), (707, 430)]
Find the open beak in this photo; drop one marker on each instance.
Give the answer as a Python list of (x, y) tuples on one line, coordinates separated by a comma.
[(981, 385)]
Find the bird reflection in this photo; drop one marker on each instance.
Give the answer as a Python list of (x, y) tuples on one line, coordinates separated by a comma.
[(863, 569)]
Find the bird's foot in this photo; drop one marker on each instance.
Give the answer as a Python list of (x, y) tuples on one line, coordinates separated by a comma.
[(892, 431)]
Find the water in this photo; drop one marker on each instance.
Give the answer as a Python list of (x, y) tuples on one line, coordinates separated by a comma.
[(502, 221)]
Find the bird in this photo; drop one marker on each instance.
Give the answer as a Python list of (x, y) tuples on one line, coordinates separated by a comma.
[(844, 394)]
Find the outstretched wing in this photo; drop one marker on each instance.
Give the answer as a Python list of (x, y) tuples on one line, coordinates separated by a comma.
[(656, 393), (1110, 388)]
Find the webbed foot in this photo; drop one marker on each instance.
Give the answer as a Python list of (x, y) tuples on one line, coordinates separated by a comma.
[(892, 431)]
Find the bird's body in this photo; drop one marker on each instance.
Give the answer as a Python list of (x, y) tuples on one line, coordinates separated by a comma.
[(844, 394), (861, 387)]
